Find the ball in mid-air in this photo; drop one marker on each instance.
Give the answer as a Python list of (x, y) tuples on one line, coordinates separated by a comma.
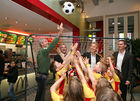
[(68, 8)]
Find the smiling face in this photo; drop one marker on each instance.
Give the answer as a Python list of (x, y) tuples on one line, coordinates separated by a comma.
[(63, 48), (93, 48), (121, 45), (44, 43), (112, 60)]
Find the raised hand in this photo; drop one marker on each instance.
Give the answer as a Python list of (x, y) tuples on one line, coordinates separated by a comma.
[(74, 47), (78, 54), (60, 28)]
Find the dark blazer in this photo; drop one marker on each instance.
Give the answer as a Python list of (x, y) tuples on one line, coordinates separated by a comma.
[(58, 58), (127, 66), (88, 55)]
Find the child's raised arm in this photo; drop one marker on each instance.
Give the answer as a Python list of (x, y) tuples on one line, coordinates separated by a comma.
[(111, 66), (57, 83), (90, 74), (80, 73)]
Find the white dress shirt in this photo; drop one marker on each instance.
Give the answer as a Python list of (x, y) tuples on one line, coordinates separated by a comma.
[(93, 61), (120, 60)]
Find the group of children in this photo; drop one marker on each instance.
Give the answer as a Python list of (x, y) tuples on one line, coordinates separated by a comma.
[(76, 81)]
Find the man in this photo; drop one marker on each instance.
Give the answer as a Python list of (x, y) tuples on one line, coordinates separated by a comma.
[(92, 55), (63, 50), (124, 62), (43, 61)]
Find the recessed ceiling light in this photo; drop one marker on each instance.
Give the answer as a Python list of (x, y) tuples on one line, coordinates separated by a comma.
[(16, 22), (6, 18)]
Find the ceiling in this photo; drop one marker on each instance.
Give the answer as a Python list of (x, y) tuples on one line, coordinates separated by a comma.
[(14, 17)]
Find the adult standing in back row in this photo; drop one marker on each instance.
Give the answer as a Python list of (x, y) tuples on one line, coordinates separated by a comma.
[(124, 63), (92, 55), (43, 62)]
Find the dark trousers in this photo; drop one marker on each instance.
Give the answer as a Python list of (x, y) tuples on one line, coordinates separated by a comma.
[(41, 90), (123, 89)]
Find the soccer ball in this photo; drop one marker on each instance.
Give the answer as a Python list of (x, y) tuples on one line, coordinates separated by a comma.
[(68, 8)]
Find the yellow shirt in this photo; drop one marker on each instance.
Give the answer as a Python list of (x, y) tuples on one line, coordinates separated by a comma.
[(88, 93), (115, 82), (97, 75), (59, 73), (56, 97), (64, 82)]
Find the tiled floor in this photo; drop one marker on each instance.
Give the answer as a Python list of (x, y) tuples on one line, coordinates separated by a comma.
[(136, 93)]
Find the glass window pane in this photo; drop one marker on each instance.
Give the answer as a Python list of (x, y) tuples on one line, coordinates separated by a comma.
[(120, 25), (131, 26), (111, 25)]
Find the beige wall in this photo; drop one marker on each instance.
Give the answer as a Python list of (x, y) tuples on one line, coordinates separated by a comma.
[(117, 7), (106, 8)]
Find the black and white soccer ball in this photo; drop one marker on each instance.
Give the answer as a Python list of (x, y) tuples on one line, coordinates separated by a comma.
[(68, 8)]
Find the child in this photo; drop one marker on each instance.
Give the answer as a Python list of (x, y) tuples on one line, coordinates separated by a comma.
[(12, 76), (97, 80), (88, 92), (73, 91), (107, 94), (59, 68), (112, 77)]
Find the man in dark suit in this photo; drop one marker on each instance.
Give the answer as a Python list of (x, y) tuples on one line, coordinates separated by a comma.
[(124, 62), (63, 50), (92, 55)]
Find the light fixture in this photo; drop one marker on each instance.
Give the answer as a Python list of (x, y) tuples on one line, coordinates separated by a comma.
[(20, 33), (16, 22), (6, 18), (119, 23)]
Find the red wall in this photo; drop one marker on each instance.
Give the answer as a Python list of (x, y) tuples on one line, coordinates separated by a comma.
[(99, 25)]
